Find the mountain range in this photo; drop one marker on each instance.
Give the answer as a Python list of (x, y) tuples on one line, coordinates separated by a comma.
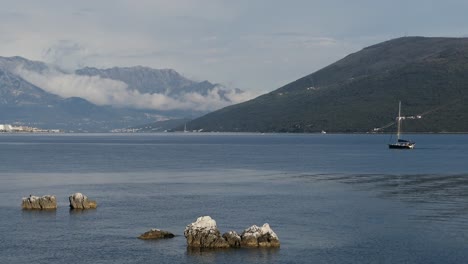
[(37, 94), (360, 93)]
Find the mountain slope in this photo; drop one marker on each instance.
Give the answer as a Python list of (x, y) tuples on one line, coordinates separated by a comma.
[(90, 99), (14, 90), (159, 126), (24, 103), (361, 92)]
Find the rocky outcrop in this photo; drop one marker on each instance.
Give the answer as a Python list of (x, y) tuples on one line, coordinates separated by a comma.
[(204, 234), (232, 238), (80, 201), (46, 202), (156, 234), (255, 236)]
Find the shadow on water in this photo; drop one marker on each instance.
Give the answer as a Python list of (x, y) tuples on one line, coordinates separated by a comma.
[(433, 197)]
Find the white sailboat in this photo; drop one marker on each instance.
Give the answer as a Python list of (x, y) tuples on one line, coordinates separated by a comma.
[(400, 143)]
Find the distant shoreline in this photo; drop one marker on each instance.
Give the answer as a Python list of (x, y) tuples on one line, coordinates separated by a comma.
[(226, 132)]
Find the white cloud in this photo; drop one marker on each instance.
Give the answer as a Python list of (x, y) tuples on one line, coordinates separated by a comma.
[(102, 91), (66, 54), (219, 40)]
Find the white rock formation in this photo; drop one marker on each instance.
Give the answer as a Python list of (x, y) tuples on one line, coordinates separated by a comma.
[(204, 234), (80, 201), (36, 202), (255, 236)]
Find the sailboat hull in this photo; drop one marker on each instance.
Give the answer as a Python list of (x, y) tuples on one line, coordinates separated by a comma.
[(401, 146)]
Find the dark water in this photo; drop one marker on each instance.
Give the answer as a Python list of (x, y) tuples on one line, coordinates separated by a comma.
[(330, 198)]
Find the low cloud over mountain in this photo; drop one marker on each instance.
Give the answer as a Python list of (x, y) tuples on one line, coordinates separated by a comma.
[(109, 90), (141, 91)]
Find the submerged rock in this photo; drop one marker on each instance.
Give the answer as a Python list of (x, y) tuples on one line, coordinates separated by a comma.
[(156, 234), (204, 234), (45, 202), (80, 201), (255, 236)]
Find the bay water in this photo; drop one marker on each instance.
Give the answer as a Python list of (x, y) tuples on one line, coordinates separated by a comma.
[(330, 198)]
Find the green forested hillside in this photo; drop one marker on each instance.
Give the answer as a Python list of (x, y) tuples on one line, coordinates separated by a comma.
[(361, 92)]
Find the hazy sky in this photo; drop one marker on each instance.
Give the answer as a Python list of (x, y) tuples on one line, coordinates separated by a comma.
[(254, 45)]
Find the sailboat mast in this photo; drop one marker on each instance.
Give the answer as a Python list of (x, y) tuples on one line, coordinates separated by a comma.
[(399, 120), (401, 144)]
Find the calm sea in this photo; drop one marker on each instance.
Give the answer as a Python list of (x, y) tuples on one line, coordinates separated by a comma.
[(330, 198)]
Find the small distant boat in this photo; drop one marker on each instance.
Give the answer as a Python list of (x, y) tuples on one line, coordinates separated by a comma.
[(323, 132), (401, 143)]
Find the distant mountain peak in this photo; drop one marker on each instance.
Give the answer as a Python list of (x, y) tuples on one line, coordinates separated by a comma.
[(12, 63), (141, 78), (160, 81), (94, 99)]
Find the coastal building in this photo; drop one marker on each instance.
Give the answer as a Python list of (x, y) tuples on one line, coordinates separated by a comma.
[(5, 128), (11, 129)]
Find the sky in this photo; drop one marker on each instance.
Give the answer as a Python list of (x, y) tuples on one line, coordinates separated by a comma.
[(255, 45)]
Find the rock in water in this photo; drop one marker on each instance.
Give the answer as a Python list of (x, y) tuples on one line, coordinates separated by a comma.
[(156, 234), (232, 238), (255, 236), (42, 203), (80, 201), (204, 234)]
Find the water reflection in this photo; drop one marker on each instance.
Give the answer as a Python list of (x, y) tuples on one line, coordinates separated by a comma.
[(261, 255), (38, 214), (81, 211), (206, 251), (206, 255), (248, 255), (433, 197)]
